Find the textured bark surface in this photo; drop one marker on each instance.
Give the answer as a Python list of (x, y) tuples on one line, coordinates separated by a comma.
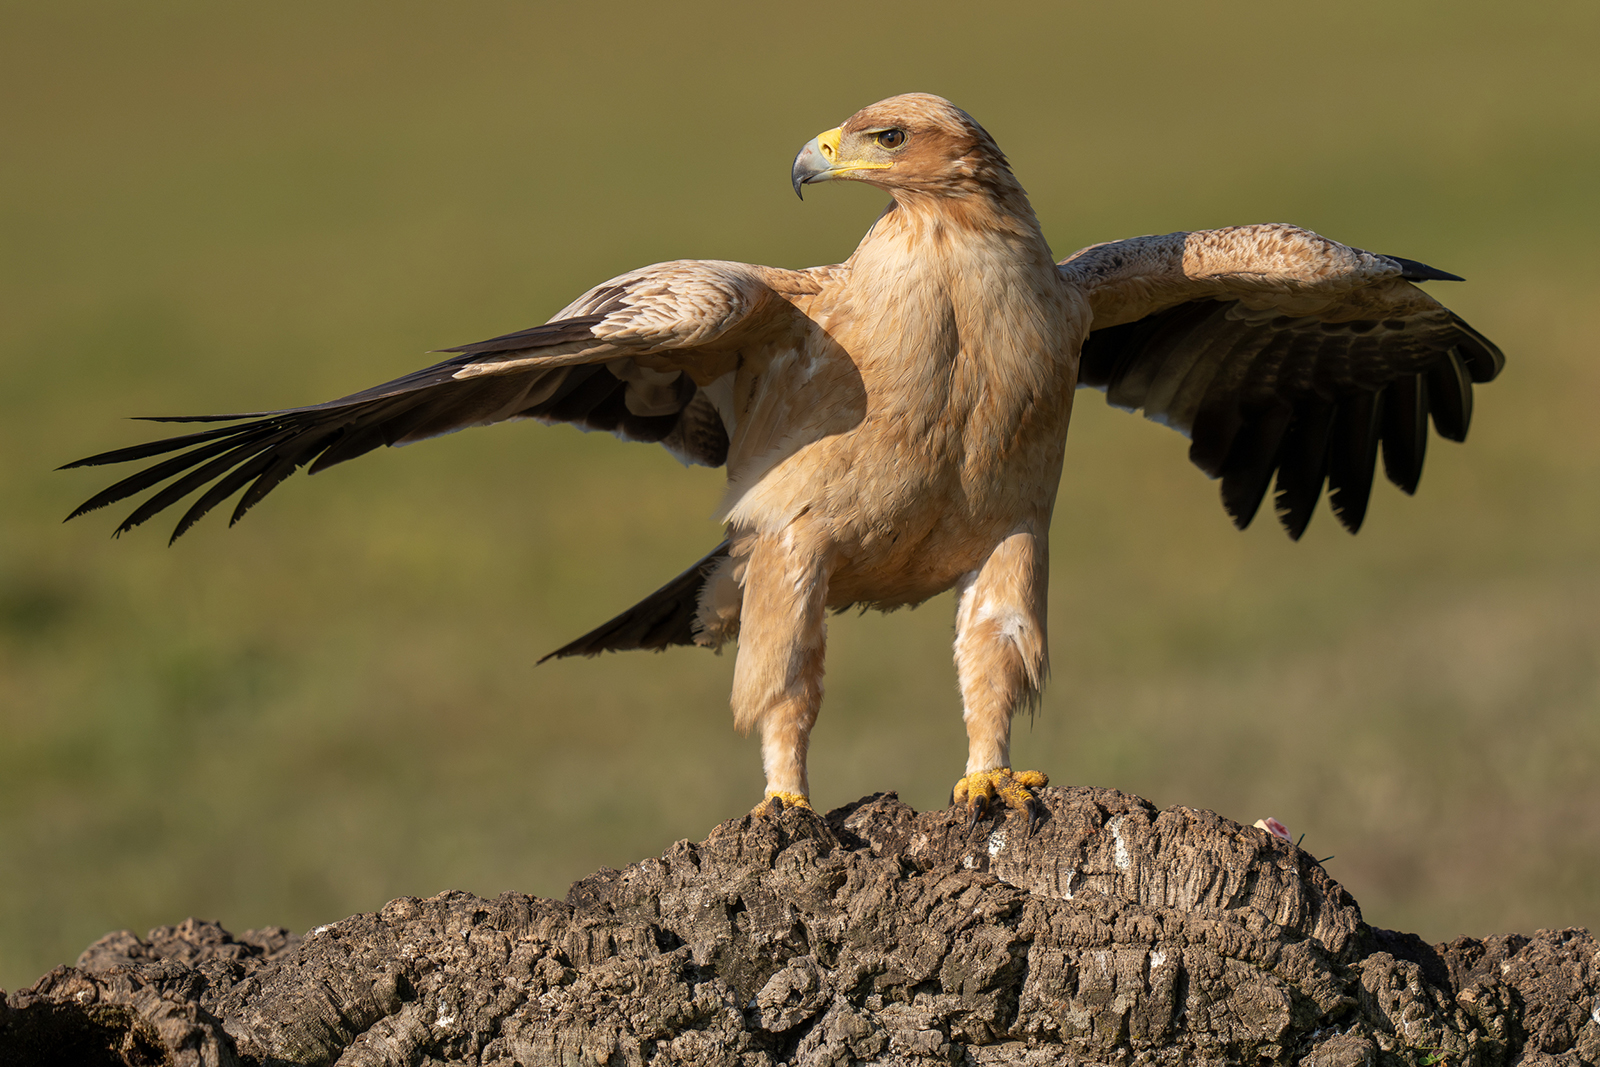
[(1113, 934)]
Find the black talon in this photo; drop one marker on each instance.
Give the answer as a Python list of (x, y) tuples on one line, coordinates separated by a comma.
[(977, 808), (1036, 814)]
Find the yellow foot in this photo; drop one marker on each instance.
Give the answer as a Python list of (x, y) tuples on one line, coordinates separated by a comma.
[(776, 802), (979, 790)]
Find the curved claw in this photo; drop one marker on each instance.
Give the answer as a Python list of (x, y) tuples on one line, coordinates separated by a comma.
[(977, 809), (981, 789), (1036, 813)]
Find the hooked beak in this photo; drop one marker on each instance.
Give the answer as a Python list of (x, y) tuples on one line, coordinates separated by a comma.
[(819, 161), (815, 163)]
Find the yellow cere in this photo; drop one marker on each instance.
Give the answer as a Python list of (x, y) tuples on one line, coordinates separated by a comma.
[(828, 145)]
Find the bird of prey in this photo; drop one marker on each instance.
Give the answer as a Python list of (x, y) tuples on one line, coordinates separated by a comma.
[(894, 426)]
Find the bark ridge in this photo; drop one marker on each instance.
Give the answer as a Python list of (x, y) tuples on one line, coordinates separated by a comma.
[(1114, 933)]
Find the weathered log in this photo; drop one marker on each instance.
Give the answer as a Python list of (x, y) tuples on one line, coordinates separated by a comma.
[(1114, 933)]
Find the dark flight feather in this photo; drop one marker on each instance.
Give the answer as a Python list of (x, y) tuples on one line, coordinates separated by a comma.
[(150, 448), (1405, 431), (1250, 463), (662, 619), (560, 332), (1299, 397), (193, 480), (1450, 397), (150, 476), (1413, 271), (264, 448), (1353, 457), (1303, 465)]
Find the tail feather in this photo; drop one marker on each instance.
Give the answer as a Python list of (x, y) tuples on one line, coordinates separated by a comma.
[(664, 618)]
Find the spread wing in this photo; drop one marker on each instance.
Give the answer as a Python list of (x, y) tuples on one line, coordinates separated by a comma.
[(646, 356), (1276, 350)]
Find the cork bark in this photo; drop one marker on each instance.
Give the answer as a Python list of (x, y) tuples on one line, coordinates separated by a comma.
[(1113, 933)]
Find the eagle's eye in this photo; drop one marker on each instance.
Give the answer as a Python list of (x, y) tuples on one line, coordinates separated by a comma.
[(890, 138)]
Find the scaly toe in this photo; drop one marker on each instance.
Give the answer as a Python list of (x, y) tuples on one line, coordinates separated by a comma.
[(775, 802), (1031, 779), (980, 789)]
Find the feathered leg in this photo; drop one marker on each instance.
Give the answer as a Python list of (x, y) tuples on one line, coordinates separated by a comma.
[(1001, 662), (777, 679)]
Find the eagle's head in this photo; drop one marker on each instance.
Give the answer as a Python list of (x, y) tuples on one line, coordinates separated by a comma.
[(917, 143)]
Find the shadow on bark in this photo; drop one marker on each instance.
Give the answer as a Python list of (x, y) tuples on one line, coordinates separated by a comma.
[(1113, 934)]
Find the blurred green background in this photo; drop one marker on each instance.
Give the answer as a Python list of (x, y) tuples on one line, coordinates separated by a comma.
[(232, 207)]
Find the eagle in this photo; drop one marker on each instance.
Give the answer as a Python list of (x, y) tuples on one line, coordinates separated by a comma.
[(895, 425)]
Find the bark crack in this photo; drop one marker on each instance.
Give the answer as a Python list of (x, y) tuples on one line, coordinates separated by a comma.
[(1114, 933)]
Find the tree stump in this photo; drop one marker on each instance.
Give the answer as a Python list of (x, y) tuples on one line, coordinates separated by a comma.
[(1113, 933)]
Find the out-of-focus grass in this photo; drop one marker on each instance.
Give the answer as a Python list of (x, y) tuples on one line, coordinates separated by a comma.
[(236, 207)]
